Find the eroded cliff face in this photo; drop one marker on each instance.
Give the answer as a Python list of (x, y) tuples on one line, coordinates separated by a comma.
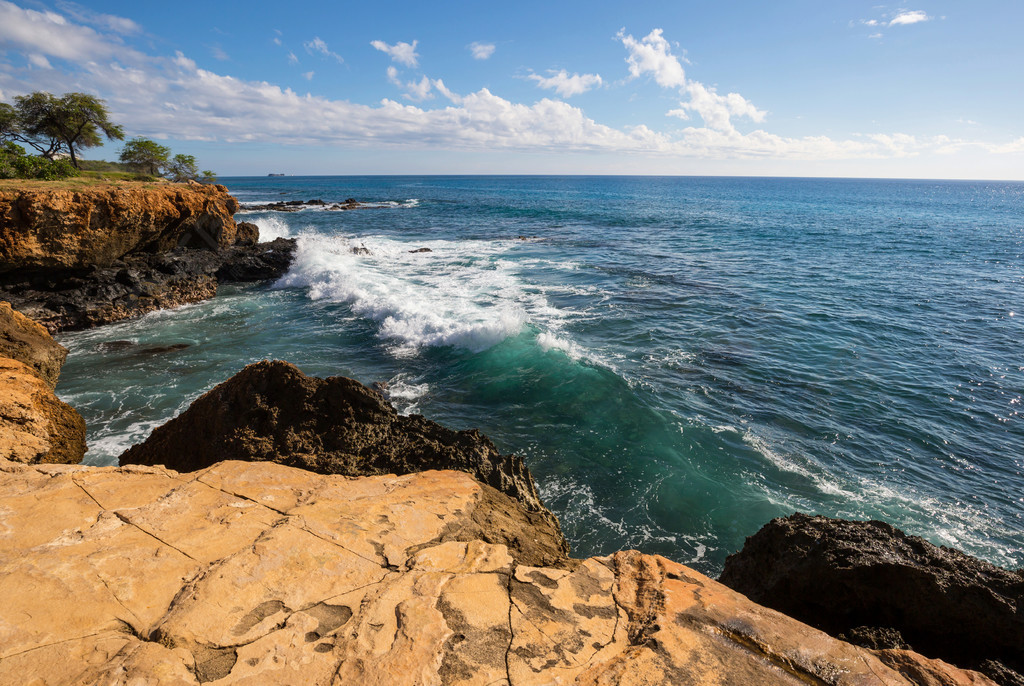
[(35, 425), (67, 229), (258, 573)]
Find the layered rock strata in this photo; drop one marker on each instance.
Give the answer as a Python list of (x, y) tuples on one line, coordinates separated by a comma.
[(257, 573), (271, 411), (35, 426), (871, 583), (65, 229)]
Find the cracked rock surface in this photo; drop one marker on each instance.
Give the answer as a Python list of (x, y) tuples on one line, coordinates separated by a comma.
[(260, 573)]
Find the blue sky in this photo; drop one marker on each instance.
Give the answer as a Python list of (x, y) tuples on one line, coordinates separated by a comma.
[(923, 90)]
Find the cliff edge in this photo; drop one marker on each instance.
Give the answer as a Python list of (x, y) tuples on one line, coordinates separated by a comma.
[(53, 228)]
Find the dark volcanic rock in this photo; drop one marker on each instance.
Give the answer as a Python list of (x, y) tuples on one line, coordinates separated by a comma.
[(26, 341), (271, 411), (843, 576), (140, 283)]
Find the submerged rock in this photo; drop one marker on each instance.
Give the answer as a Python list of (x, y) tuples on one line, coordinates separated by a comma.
[(258, 573), (271, 411), (873, 583)]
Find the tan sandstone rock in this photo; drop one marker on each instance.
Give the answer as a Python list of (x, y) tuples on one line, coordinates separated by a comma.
[(27, 341), (36, 426), (54, 228), (258, 573)]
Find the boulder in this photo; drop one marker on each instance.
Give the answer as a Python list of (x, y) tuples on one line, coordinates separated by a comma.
[(257, 573), (869, 581), (27, 341), (271, 411), (51, 228), (247, 233), (35, 426)]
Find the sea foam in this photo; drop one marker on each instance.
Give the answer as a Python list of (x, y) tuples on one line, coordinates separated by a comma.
[(459, 293)]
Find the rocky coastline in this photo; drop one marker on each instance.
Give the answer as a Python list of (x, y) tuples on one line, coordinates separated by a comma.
[(291, 529), (78, 259)]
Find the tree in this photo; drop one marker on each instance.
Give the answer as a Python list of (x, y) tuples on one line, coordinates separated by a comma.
[(52, 125), (145, 155), (182, 168)]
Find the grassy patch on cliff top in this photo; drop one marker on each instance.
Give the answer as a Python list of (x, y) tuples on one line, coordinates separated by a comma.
[(87, 180)]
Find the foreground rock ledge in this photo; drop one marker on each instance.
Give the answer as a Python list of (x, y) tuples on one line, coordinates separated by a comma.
[(257, 573), (271, 411)]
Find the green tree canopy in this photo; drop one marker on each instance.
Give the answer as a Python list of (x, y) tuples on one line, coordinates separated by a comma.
[(182, 168), (52, 125), (145, 155)]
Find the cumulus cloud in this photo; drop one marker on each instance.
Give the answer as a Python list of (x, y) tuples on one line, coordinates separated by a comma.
[(319, 46), (414, 90), (566, 85), (481, 51), (403, 53), (909, 17), (653, 55), (716, 110), (171, 97)]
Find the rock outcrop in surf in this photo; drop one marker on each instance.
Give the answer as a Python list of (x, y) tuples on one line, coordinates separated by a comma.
[(873, 584)]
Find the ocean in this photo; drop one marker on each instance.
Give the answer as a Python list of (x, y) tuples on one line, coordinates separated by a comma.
[(678, 359)]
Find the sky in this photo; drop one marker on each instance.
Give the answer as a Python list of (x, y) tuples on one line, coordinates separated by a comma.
[(928, 89)]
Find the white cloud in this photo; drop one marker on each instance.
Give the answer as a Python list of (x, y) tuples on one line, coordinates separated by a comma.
[(50, 33), (652, 54), (292, 59), (403, 53), (40, 61), (909, 17), (317, 45), (277, 41), (218, 53), (414, 90), (172, 98), (308, 75), (110, 22), (716, 110), (481, 51), (566, 85)]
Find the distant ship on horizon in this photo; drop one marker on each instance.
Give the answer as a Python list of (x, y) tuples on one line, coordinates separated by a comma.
[(276, 174)]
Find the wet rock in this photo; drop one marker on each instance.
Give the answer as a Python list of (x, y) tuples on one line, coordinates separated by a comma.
[(27, 341), (421, 250), (359, 250), (840, 576), (140, 283)]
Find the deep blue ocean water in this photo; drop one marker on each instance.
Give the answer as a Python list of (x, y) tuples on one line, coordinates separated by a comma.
[(678, 359)]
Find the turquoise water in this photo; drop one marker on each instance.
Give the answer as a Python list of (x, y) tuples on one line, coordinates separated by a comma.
[(678, 359)]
